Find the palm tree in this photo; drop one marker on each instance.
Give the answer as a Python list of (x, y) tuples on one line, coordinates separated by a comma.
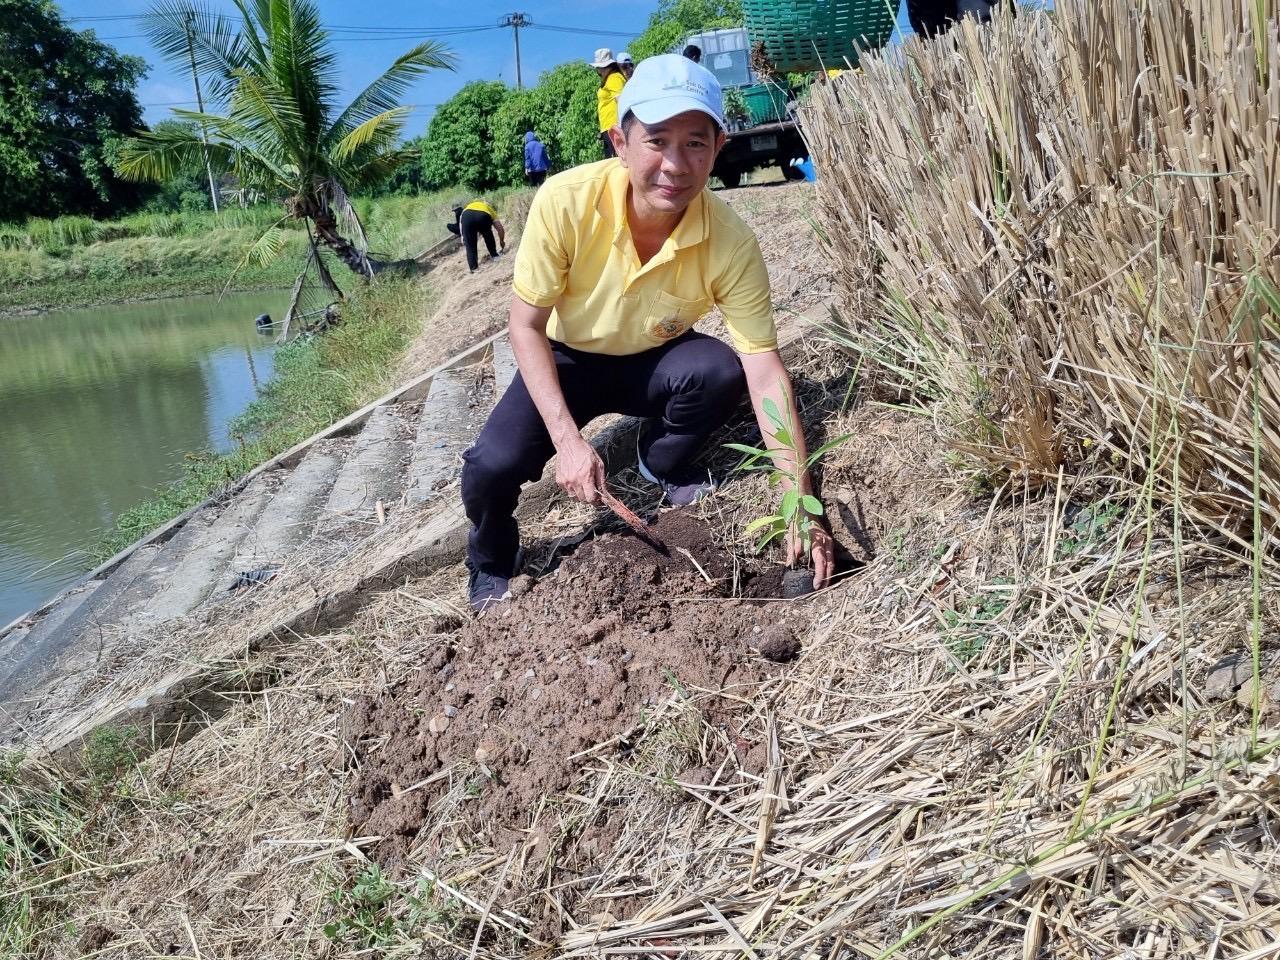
[(280, 131)]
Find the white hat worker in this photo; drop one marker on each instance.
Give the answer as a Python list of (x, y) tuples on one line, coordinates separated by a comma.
[(604, 57), (665, 86)]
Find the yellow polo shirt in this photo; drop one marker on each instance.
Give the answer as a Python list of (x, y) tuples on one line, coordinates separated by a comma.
[(607, 100), (577, 256), (482, 207)]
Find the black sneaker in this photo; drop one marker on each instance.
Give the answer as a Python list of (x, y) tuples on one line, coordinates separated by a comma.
[(487, 590), (680, 491)]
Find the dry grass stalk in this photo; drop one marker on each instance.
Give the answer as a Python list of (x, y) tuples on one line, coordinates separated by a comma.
[(1066, 228)]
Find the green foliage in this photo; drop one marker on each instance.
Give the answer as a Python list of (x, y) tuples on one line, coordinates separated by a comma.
[(968, 626), (735, 106), (1089, 527), (797, 511), (560, 109), (64, 97), (145, 266), (109, 754), (459, 147), (476, 139), (58, 235), (281, 131), (674, 20), (41, 834), (374, 912)]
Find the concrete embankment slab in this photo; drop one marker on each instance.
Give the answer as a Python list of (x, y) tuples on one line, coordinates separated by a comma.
[(447, 425), (373, 470), (288, 520), (505, 367), (193, 578)]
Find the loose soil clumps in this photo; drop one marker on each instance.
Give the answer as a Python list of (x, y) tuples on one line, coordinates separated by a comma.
[(500, 718)]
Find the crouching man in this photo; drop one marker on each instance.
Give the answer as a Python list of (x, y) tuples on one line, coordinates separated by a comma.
[(618, 261)]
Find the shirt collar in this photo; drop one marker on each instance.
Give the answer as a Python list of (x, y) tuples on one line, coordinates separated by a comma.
[(691, 230)]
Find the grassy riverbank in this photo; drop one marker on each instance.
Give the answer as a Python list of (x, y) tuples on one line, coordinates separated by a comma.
[(317, 380), (199, 256), (76, 261)]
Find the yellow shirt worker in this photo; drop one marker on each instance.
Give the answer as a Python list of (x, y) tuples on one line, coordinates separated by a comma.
[(618, 261), (612, 80)]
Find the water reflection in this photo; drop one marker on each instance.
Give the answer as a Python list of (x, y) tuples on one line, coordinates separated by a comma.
[(98, 408)]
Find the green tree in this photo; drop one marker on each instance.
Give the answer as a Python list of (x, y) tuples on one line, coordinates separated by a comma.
[(282, 132), (459, 147), (63, 96), (560, 109), (676, 19)]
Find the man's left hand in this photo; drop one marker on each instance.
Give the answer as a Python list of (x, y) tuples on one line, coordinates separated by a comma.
[(823, 553)]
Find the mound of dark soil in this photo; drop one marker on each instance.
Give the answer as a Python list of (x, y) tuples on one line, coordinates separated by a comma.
[(495, 722)]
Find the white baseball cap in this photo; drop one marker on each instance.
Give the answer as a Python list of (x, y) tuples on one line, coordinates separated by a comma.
[(624, 57), (664, 86), (604, 57)]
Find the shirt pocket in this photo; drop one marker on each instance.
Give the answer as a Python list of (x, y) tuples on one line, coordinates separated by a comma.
[(669, 315)]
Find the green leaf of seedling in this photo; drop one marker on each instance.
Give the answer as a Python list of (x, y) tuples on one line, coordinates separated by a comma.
[(783, 437), (790, 503), (754, 451), (829, 445), (759, 522), (771, 411), (769, 538), (812, 505), (775, 478)]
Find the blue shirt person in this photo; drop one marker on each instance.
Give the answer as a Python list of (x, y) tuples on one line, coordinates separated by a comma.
[(536, 161)]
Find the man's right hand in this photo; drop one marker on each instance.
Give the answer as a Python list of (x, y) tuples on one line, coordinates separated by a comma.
[(580, 471)]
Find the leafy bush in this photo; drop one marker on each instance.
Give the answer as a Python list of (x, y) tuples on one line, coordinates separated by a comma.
[(459, 147), (676, 19)]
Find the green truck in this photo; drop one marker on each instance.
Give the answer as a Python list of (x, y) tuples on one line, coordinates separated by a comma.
[(767, 136)]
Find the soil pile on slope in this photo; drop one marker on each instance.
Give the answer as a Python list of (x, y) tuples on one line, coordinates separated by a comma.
[(495, 721)]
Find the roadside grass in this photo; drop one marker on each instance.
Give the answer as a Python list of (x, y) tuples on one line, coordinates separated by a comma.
[(139, 268), (54, 824), (317, 380), (77, 261), (58, 234)]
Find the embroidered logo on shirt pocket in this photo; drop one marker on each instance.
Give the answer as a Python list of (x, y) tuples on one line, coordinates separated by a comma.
[(671, 316)]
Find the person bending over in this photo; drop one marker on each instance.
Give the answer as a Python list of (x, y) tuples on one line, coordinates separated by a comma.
[(478, 219)]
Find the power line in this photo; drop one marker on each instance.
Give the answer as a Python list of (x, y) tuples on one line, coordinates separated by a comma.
[(587, 31)]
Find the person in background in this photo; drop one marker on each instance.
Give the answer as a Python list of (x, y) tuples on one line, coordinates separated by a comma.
[(625, 64), (692, 52), (536, 162), (612, 80), (478, 219)]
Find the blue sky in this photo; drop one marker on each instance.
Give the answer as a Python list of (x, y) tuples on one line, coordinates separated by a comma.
[(486, 54), (482, 54)]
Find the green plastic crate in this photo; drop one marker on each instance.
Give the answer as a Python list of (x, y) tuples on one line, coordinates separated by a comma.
[(803, 35), (766, 102)]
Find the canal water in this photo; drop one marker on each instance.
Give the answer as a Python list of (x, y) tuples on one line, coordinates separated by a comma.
[(98, 408)]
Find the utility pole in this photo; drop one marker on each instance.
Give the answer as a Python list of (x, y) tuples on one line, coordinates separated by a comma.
[(204, 132), (515, 21)]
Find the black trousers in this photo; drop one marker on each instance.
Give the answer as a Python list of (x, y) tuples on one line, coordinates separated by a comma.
[(535, 178), (475, 224), (689, 386)]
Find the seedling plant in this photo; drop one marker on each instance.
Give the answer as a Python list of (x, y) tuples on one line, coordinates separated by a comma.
[(798, 512)]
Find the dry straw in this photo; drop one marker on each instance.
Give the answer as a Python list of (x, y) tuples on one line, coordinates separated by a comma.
[(1066, 227)]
